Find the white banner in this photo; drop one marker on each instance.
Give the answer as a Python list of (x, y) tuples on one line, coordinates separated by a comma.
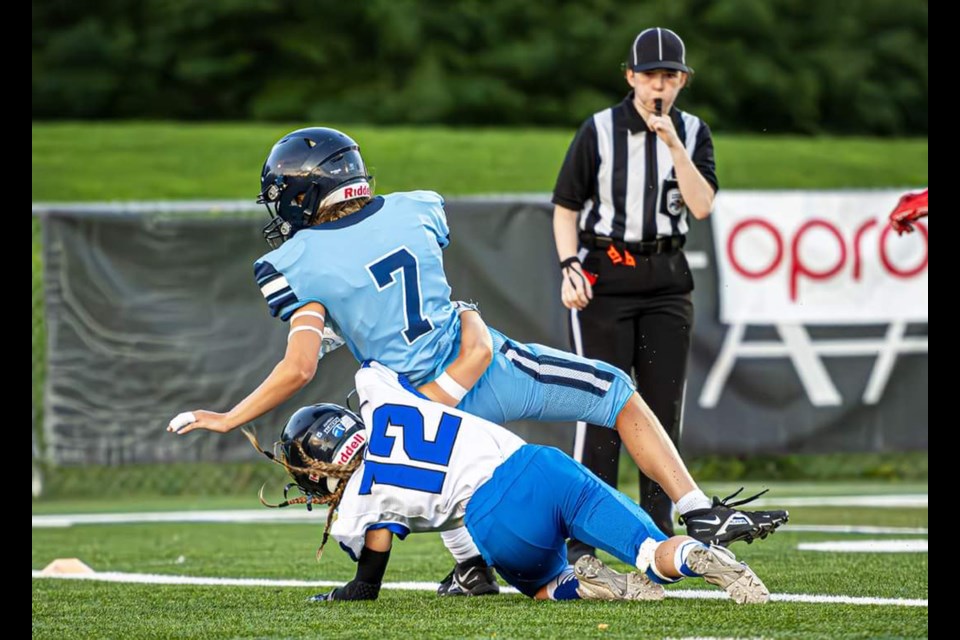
[(817, 257)]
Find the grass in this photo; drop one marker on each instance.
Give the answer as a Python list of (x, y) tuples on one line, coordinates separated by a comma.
[(95, 610), (168, 160), (285, 551)]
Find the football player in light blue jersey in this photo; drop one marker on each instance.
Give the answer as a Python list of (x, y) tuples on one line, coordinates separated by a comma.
[(379, 275), (368, 271), (372, 270)]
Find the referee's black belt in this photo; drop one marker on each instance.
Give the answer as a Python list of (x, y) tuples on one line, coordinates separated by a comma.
[(665, 244)]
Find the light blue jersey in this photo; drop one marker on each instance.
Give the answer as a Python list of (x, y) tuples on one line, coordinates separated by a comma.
[(379, 274)]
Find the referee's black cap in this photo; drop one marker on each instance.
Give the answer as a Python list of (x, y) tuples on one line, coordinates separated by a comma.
[(658, 48)]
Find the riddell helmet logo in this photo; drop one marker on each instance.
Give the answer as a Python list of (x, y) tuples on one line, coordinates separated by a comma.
[(351, 448), (358, 191), (349, 192)]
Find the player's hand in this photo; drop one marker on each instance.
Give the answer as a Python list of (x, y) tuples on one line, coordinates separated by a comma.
[(575, 290), (353, 590), (910, 208), (190, 420), (323, 597)]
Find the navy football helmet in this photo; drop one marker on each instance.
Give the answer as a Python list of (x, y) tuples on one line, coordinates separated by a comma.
[(326, 432), (306, 170)]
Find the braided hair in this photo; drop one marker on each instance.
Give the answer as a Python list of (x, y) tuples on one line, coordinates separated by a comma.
[(314, 467)]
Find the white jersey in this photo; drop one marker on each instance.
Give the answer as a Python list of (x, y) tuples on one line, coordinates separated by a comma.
[(423, 462)]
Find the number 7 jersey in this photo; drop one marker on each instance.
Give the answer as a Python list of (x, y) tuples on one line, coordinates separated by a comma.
[(422, 464), (379, 274)]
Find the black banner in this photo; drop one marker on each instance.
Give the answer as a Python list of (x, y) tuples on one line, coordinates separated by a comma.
[(150, 313)]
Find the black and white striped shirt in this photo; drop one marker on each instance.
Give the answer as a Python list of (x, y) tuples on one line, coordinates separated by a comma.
[(619, 175)]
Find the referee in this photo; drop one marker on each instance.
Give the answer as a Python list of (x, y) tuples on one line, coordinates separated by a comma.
[(631, 178)]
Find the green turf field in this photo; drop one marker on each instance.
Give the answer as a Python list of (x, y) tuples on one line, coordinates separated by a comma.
[(285, 551), (131, 161)]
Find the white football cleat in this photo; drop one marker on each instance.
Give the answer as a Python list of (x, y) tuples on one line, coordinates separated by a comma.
[(720, 567), (600, 582)]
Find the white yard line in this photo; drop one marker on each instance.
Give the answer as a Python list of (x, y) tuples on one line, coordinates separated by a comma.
[(220, 515), (866, 546), (854, 528), (301, 515), (147, 578), (917, 500)]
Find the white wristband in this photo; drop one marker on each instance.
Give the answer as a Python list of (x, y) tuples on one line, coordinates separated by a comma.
[(301, 314), (305, 327), (451, 386)]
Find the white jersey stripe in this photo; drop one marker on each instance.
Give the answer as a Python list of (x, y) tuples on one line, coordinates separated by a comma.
[(557, 371), (604, 124), (636, 178), (274, 286)]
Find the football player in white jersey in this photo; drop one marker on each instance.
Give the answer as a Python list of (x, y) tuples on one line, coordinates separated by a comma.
[(368, 271), (410, 465)]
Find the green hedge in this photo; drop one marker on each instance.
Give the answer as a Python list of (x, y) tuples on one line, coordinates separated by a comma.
[(762, 65)]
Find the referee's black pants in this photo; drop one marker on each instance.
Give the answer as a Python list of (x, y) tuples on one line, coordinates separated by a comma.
[(650, 336)]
